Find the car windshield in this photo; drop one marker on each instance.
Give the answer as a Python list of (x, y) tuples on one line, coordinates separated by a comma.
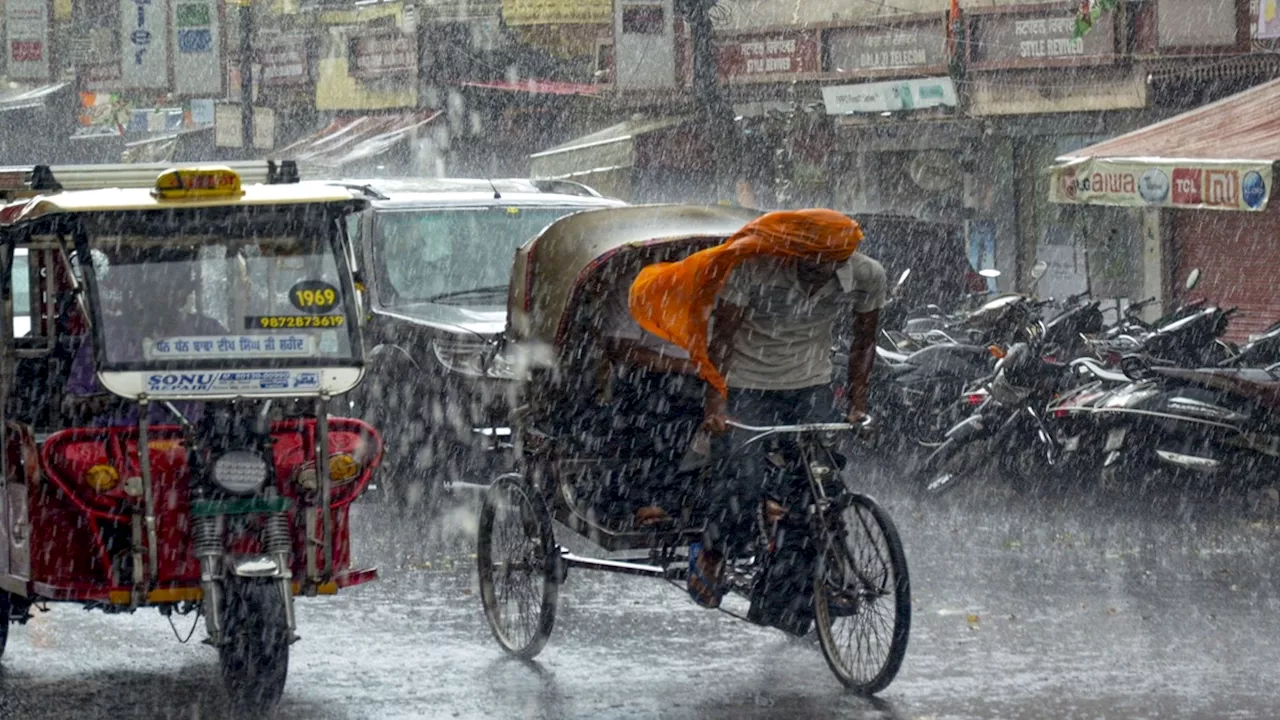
[(453, 256), (221, 299)]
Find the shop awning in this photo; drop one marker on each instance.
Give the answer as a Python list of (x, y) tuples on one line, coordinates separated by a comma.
[(350, 140), (1219, 156), (536, 87), (33, 98), (611, 149)]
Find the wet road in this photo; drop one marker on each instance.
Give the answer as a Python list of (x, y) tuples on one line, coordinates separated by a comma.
[(1023, 609)]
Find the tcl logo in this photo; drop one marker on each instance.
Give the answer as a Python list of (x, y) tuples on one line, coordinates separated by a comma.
[(1186, 186)]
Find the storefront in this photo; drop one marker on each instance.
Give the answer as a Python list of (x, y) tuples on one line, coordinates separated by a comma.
[(1202, 182)]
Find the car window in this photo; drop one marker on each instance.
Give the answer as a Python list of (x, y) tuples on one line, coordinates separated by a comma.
[(428, 255)]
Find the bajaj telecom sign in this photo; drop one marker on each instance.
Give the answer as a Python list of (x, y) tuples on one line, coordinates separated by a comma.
[(891, 96), (144, 44)]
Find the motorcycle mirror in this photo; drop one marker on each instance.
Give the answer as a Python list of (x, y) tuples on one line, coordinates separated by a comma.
[(1193, 279), (989, 273), (1039, 269)]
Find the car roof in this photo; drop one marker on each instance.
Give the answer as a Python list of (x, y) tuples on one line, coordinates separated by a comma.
[(136, 199)]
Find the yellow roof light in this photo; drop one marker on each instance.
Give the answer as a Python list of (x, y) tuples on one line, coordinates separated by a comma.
[(197, 182)]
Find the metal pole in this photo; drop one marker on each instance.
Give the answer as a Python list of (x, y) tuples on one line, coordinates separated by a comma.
[(717, 110), (246, 75)]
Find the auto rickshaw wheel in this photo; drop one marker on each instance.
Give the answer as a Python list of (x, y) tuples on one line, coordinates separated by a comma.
[(6, 610), (255, 655), (862, 596), (517, 560)]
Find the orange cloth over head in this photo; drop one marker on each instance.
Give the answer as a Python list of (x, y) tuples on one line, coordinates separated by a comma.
[(674, 300)]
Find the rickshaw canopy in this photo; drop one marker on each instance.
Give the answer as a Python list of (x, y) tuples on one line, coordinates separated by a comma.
[(549, 269), (259, 303)]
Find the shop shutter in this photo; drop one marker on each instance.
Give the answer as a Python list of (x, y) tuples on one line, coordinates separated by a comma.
[(1239, 256)]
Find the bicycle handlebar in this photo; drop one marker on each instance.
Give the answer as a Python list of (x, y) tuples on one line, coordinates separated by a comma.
[(803, 428)]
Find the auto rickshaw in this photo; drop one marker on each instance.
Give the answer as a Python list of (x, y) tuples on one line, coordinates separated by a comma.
[(210, 323), (850, 584)]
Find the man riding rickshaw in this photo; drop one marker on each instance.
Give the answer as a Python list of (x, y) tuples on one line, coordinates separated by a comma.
[(194, 332), (737, 312)]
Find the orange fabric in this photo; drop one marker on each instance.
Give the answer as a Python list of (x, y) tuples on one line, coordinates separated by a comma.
[(674, 300)]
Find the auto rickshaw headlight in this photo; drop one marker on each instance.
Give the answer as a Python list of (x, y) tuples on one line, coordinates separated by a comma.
[(240, 473), (102, 478)]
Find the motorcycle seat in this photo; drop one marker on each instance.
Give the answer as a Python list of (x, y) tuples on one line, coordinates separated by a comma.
[(1253, 384), (891, 357), (1100, 371)]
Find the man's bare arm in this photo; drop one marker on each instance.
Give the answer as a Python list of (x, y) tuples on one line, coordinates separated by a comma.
[(726, 320), (862, 356)]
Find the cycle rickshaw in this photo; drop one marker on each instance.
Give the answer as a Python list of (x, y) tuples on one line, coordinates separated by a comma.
[(857, 582), (166, 437)]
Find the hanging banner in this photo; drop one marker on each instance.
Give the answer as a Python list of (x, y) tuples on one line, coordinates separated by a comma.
[(1199, 184), (889, 96), (27, 39), (144, 45), (197, 48)]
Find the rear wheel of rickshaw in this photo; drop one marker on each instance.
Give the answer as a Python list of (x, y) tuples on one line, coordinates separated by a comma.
[(862, 597), (255, 656), (516, 556)]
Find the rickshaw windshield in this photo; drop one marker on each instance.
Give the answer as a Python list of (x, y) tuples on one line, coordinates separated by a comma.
[(241, 296)]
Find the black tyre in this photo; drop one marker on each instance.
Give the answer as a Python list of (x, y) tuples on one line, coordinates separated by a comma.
[(955, 463), (255, 656), (517, 563), (6, 610), (862, 597)]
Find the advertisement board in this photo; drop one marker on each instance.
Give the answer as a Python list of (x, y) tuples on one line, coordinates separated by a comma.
[(1199, 184), (144, 44), (768, 55), (890, 96), (27, 39), (197, 48)]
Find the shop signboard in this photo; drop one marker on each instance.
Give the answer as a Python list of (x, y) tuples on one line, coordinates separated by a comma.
[(1039, 39), (144, 44), (27, 39), (768, 55), (197, 45), (901, 46), (284, 62), (1196, 184), (383, 54), (890, 96), (517, 13)]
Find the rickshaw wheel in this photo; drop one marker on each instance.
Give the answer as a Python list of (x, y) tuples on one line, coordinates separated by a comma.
[(6, 608), (862, 597), (516, 556), (255, 656)]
